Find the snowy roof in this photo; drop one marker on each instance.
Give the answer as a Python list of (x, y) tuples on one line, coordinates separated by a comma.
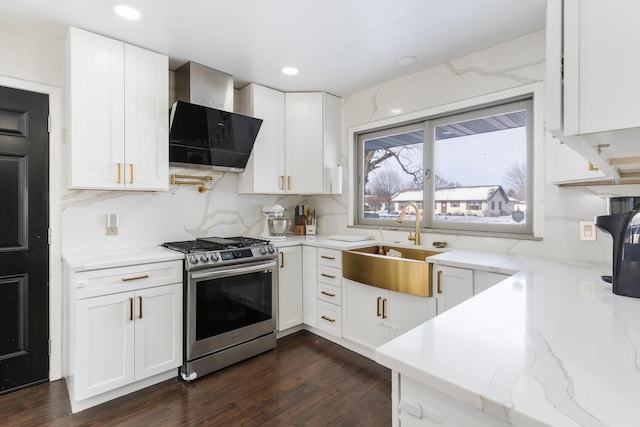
[(408, 196), (467, 193), (452, 194)]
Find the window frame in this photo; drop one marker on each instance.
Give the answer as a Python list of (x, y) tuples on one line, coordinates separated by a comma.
[(429, 121)]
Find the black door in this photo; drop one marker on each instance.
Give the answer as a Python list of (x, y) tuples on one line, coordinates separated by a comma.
[(24, 223)]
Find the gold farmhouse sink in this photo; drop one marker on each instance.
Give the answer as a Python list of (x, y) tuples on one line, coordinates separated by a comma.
[(409, 274)]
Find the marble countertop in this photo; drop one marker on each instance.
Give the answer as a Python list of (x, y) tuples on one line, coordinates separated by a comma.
[(551, 345), (95, 260), (322, 241)]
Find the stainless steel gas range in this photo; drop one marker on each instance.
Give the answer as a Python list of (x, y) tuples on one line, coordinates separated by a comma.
[(229, 301)]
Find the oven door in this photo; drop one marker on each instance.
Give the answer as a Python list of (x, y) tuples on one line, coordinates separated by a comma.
[(229, 305)]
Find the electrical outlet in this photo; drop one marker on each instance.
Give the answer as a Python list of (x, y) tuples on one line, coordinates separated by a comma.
[(112, 224), (587, 231)]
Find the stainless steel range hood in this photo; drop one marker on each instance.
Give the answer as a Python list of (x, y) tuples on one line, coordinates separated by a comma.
[(204, 131)]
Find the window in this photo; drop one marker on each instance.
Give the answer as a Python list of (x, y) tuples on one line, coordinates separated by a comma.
[(459, 164)]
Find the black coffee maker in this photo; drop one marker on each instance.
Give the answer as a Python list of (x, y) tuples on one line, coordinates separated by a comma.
[(623, 223)]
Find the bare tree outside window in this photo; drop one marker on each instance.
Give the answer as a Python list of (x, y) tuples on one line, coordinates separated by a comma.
[(386, 184), (516, 178)]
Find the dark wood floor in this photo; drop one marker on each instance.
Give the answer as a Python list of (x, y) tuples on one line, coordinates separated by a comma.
[(305, 381)]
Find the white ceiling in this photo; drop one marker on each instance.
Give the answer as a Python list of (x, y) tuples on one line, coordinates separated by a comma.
[(340, 46)]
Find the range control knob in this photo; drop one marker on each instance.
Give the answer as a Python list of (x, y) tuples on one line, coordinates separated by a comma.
[(193, 259), (214, 256), (263, 250), (271, 250), (204, 257)]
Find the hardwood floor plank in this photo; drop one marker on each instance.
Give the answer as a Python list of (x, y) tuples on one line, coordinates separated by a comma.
[(305, 381)]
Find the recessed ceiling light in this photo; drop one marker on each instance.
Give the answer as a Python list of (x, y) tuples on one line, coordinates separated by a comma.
[(290, 71), (126, 12), (405, 61)]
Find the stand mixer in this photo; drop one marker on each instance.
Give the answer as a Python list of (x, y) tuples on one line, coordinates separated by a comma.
[(275, 225)]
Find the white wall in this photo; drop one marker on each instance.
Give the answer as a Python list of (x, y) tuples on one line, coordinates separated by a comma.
[(503, 67)]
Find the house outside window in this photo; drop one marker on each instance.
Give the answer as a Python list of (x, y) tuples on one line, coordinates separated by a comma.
[(471, 167)]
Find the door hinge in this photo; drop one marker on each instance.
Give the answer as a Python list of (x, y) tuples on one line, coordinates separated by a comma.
[(49, 123)]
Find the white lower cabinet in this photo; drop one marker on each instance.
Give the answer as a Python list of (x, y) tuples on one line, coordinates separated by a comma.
[(126, 337), (373, 316), (419, 405), (452, 286), (289, 287), (329, 290), (124, 328), (310, 286)]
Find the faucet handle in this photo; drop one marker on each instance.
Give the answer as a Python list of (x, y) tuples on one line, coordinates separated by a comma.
[(412, 236)]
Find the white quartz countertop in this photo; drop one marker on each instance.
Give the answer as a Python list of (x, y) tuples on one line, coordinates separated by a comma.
[(322, 241), (551, 345), (95, 260)]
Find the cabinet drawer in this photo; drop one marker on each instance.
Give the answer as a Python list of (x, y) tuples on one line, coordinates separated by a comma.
[(330, 275), (330, 318), (330, 293), (111, 280), (330, 257), (437, 409)]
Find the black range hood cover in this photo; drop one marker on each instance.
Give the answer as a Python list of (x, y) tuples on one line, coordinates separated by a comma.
[(208, 137)]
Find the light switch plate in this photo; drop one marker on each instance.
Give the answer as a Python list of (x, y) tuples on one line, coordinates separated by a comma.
[(587, 231)]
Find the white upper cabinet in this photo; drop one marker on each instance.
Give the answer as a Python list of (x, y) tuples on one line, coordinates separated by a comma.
[(118, 114), (592, 83), (298, 144), (265, 169)]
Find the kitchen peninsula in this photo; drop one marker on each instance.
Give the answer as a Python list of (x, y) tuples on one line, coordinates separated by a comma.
[(549, 346)]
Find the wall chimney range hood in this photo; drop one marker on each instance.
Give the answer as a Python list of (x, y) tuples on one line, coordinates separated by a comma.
[(204, 132)]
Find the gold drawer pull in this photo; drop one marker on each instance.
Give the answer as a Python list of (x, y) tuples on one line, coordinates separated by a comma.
[(328, 319), (330, 276), (289, 183), (378, 314), (332, 258), (282, 182), (130, 308), (439, 284), (329, 294), (140, 300), (130, 173), (119, 173), (128, 279)]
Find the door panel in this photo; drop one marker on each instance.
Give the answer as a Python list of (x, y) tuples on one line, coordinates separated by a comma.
[(24, 222)]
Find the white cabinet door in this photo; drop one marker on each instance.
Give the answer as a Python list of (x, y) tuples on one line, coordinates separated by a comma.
[(453, 286), (290, 287), (104, 353), (312, 140), (265, 171), (146, 120), (304, 133), (362, 314), (310, 285), (408, 311), (96, 110), (158, 330)]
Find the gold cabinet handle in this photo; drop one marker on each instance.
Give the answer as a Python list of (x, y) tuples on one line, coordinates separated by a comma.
[(128, 279), (282, 182), (330, 276), (130, 309), (289, 182), (329, 294), (328, 319), (439, 280), (281, 259), (119, 173), (384, 308), (130, 173), (332, 258), (140, 306), (378, 314)]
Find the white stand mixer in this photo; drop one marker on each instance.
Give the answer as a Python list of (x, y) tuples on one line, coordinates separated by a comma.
[(272, 212)]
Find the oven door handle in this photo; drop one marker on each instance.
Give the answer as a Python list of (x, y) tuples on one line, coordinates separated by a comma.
[(235, 271)]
